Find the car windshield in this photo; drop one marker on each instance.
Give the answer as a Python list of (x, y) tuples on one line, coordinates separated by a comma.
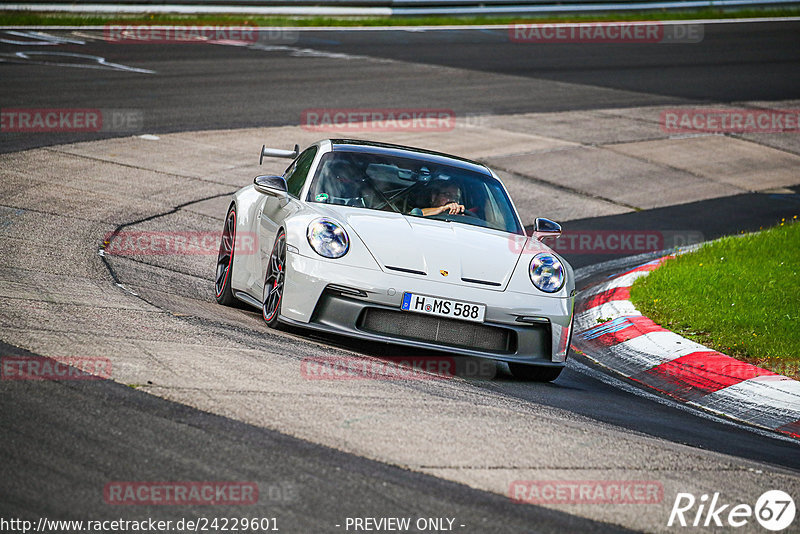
[(414, 188)]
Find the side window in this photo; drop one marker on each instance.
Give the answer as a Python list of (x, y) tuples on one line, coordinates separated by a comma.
[(298, 171)]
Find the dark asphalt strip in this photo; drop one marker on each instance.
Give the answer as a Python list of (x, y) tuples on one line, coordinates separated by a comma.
[(64, 441), (202, 87), (732, 61), (589, 396), (712, 219)]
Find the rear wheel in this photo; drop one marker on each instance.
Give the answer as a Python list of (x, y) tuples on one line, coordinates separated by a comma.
[(222, 279), (273, 284), (534, 373)]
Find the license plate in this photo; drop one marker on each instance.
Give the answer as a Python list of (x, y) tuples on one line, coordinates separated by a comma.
[(454, 309)]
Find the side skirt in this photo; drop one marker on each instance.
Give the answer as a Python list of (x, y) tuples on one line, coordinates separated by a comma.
[(247, 299)]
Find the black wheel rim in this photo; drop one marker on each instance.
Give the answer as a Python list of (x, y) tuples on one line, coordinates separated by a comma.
[(273, 285), (225, 253)]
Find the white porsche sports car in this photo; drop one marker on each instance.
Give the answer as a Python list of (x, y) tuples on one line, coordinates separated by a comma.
[(399, 245)]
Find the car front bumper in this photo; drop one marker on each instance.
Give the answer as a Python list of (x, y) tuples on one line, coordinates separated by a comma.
[(365, 303)]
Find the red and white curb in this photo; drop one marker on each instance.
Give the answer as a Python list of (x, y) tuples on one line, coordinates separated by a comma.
[(612, 332)]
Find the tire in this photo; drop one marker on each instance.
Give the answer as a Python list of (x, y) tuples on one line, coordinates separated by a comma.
[(273, 282), (224, 272), (534, 373)]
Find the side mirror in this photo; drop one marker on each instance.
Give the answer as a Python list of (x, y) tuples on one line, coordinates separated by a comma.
[(271, 185), (544, 228)]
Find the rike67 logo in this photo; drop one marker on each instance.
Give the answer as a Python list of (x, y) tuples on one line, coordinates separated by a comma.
[(774, 510)]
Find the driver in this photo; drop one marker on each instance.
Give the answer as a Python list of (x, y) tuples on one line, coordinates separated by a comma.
[(445, 198)]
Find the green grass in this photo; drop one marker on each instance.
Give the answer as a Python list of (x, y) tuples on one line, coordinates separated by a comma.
[(739, 295), (26, 18)]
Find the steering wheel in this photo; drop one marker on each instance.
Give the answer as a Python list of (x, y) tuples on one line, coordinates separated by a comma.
[(465, 213), (444, 215)]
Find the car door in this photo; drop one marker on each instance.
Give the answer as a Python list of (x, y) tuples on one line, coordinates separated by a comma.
[(275, 210)]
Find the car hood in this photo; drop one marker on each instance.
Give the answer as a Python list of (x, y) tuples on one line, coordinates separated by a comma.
[(446, 252)]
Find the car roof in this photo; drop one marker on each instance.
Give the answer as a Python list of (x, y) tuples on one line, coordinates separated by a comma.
[(373, 147)]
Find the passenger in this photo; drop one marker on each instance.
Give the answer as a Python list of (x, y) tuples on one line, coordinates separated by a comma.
[(341, 183)]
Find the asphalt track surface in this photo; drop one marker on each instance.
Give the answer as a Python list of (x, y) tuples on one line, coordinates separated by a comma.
[(87, 433), (64, 440), (202, 87)]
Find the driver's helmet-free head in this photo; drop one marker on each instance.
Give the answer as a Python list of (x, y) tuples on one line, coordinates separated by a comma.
[(445, 191)]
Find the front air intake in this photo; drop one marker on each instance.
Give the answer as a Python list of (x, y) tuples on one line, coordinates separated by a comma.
[(438, 330)]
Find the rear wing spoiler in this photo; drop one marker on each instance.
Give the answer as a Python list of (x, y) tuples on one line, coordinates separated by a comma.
[(278, 153)]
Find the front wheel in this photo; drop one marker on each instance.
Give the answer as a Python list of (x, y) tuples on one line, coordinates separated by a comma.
[(534, 373), (273, 283), (222, 279)]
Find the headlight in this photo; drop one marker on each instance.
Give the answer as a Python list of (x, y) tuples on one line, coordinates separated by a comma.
[(547, 273), (327, 238)]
